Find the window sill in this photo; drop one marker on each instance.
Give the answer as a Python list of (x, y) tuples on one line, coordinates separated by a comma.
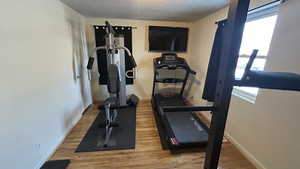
[(244, 95)]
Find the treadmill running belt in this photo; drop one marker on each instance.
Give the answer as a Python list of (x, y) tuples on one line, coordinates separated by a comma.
[(186, 127), (176, 100)]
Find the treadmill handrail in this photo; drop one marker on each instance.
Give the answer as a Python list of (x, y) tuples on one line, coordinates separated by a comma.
[(161, 66), (188, 108), (165, 66), (191, 71), (169, 80)]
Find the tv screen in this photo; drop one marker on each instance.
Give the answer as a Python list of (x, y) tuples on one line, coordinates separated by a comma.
[(168, 39)]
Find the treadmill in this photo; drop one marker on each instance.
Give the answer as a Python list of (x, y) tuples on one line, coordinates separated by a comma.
[(177, 129)]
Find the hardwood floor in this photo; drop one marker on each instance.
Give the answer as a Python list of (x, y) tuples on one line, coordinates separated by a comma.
[(147, 154)]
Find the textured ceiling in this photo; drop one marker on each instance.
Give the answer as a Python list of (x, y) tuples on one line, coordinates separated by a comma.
[(173, 10)]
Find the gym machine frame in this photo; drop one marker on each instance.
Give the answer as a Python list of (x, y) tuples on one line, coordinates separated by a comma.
[(115, 46), (115, 55), (231, 42), (229, 53)]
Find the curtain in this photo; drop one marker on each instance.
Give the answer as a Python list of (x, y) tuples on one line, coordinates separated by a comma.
[(214, 64)]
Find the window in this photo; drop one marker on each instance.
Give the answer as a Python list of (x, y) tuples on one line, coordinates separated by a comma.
[(257, 34)]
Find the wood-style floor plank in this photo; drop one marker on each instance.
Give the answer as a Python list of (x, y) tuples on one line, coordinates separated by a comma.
[(148, 153)]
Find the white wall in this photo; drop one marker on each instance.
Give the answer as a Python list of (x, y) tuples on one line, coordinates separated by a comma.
[(40, 99), (202, 37), (143, 83), (267, 132), (272, 124)]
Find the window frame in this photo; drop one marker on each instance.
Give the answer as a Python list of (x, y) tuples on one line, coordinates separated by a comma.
[(256, 14)]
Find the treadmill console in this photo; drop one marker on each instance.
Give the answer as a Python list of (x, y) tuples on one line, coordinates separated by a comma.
[(169, 60)]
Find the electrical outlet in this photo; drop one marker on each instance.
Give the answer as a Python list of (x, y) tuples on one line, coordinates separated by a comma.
[(38, 147)]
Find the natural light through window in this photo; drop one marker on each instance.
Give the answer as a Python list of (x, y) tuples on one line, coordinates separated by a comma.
[(257, 35)]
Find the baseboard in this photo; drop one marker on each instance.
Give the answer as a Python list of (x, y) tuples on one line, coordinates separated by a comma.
[(245, 152), (241, 149), (61, 140)]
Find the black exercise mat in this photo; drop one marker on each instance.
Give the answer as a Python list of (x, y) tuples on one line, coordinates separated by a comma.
[(122, 137), (56, 164)]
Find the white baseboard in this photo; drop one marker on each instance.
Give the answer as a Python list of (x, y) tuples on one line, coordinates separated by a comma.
[(245, 152), (75, 121)]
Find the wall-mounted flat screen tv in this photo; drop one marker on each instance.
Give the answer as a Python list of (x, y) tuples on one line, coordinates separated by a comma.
[(168, 39)]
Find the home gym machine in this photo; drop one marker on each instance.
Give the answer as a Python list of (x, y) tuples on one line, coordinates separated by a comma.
[(176, 129), (220, 78), (116, 84)]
